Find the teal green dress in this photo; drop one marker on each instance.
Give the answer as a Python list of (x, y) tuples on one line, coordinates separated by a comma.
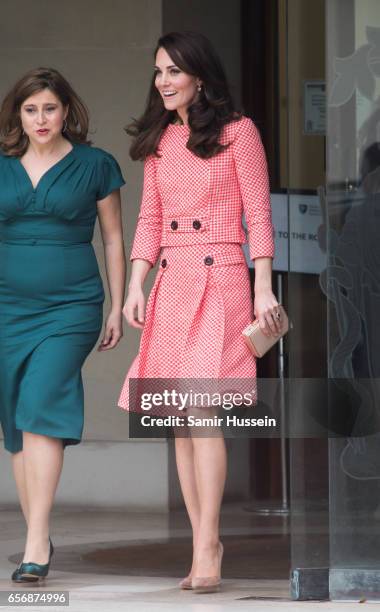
[(51, 293)]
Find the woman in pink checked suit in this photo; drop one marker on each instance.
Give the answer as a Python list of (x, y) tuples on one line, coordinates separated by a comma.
[(204, 166)]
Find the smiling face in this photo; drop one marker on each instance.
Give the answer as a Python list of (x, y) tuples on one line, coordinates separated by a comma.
[(177, 88), (42, 116)]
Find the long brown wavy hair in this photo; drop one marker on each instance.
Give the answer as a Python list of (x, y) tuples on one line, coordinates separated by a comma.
[(209, 112), (13, 141)]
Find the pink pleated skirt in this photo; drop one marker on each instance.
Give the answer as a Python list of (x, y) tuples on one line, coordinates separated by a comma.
[(199, 305)]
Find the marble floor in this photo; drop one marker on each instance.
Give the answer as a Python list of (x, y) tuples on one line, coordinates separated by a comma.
[(76, 530)]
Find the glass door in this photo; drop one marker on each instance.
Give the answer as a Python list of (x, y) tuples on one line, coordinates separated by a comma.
[(352, 286), (333, 146)]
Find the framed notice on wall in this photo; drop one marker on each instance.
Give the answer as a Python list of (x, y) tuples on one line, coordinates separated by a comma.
[(314, 107)]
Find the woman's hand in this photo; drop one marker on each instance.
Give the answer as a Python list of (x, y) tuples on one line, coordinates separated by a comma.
[(265, 310), (134, 307), (113, 331)]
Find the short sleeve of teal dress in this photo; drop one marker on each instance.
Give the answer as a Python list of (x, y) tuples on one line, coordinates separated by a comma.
[(109, 175), (51, 293)]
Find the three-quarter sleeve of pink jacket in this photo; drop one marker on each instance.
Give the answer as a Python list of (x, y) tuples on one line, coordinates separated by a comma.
[(147, 240), (252, 173)]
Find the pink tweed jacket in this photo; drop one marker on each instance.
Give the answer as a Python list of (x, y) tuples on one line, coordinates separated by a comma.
[(205, 205)]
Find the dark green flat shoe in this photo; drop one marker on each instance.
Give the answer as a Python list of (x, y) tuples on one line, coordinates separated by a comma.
[(33, 572)]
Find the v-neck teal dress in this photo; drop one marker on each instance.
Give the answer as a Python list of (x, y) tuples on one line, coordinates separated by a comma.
[(51, 293)]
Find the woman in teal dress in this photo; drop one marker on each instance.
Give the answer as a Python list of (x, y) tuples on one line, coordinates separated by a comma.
[(53, 186)]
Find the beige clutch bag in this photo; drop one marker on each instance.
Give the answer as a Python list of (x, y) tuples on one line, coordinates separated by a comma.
[(257, 341)]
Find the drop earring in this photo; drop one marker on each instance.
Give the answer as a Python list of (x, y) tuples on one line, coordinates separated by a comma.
[(64, 125)]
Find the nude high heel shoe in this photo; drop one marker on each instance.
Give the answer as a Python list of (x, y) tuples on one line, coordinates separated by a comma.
[(185, 584), (209, 584)]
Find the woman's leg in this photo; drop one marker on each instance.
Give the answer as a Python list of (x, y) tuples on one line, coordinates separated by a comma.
[(186, 474), (210, 464), (43, 459), (19, 476)]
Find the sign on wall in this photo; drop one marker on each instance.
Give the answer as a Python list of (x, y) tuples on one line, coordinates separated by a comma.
[(314, 107), (297, 247)]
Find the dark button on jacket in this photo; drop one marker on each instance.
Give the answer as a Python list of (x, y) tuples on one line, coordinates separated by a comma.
[(197, 224), (174, 225), (209, 260), (164, 263)]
